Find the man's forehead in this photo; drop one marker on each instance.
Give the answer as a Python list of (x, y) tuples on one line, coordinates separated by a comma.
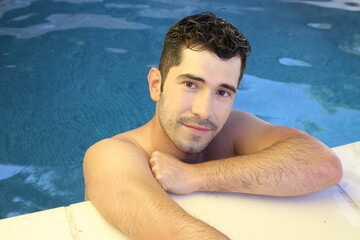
[(203, 63)]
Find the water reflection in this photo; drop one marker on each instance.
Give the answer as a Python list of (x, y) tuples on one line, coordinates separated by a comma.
[(6, 6), (167, 13), (350, 5), (24, 17), (331, 98), (78, 1), (325, 26), (58, 22), (126, 6), (294, 62), (27, 189), (352, 47), (183, 8), (116, 50), (314, 111)]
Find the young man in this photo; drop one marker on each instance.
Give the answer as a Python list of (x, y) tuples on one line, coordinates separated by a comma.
[(195, 142)]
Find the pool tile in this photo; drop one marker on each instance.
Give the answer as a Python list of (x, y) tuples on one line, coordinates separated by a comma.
[(323, 215), (50, 224), (91, 225), (330, 214), (350, 159)]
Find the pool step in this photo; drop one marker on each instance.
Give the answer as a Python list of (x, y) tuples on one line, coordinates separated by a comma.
[(330, 214)]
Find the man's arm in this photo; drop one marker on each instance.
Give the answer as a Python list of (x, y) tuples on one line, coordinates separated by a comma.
[(121, 186), (272, 160)]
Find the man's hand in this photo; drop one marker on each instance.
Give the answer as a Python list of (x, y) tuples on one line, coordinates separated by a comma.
[(172, 174)]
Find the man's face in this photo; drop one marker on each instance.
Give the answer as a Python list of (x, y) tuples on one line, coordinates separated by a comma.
[(197, 98)]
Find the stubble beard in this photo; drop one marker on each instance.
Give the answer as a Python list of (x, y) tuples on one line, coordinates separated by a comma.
[(170, 126)]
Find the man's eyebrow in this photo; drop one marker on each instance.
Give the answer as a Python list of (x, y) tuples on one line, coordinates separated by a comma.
[(191, 77), (230, 87), (199, 79)]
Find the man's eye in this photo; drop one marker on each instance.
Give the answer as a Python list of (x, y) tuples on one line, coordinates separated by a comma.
[(190, 85), (223, 93)]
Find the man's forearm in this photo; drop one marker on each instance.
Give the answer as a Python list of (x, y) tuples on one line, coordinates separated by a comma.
[(122, 188), (152, 214), (295, 166)]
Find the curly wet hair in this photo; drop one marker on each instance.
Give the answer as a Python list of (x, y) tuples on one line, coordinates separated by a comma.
[(204, 31)]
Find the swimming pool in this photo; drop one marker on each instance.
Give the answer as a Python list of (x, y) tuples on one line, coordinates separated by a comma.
[(73, 72)]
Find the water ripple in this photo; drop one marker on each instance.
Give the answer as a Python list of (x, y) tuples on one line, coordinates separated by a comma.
[(72, 21), (6, 6), (167, 13), (350, 5), (320, 25), (127, 6), (24, 17), (78, 1), (294, 62), (29, 188), (354, 47), (116, 50)]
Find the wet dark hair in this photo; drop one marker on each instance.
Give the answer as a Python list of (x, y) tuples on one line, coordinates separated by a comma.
[(204, 31)]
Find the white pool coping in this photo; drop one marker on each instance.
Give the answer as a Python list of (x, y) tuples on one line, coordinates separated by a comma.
[(331, 214)]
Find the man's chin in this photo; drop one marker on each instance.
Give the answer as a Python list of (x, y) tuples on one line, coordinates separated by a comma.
[(191, 148)]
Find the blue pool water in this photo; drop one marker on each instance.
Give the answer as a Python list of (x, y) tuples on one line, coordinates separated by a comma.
[(73, 72)]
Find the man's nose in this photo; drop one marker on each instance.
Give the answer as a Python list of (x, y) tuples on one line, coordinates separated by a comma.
[(202, 106)]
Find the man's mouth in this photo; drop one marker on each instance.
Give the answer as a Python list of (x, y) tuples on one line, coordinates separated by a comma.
[(198, 128)]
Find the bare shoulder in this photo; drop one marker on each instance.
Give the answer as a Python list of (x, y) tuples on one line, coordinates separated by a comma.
[(250, 134), (112, 164), (239, 118), (242, 122), (119, 150), (233, 135)]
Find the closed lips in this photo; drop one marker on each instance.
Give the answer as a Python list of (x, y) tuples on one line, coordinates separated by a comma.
[(198, 127)]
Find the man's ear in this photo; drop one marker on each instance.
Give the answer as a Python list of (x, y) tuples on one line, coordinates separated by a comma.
[(154, 80)]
